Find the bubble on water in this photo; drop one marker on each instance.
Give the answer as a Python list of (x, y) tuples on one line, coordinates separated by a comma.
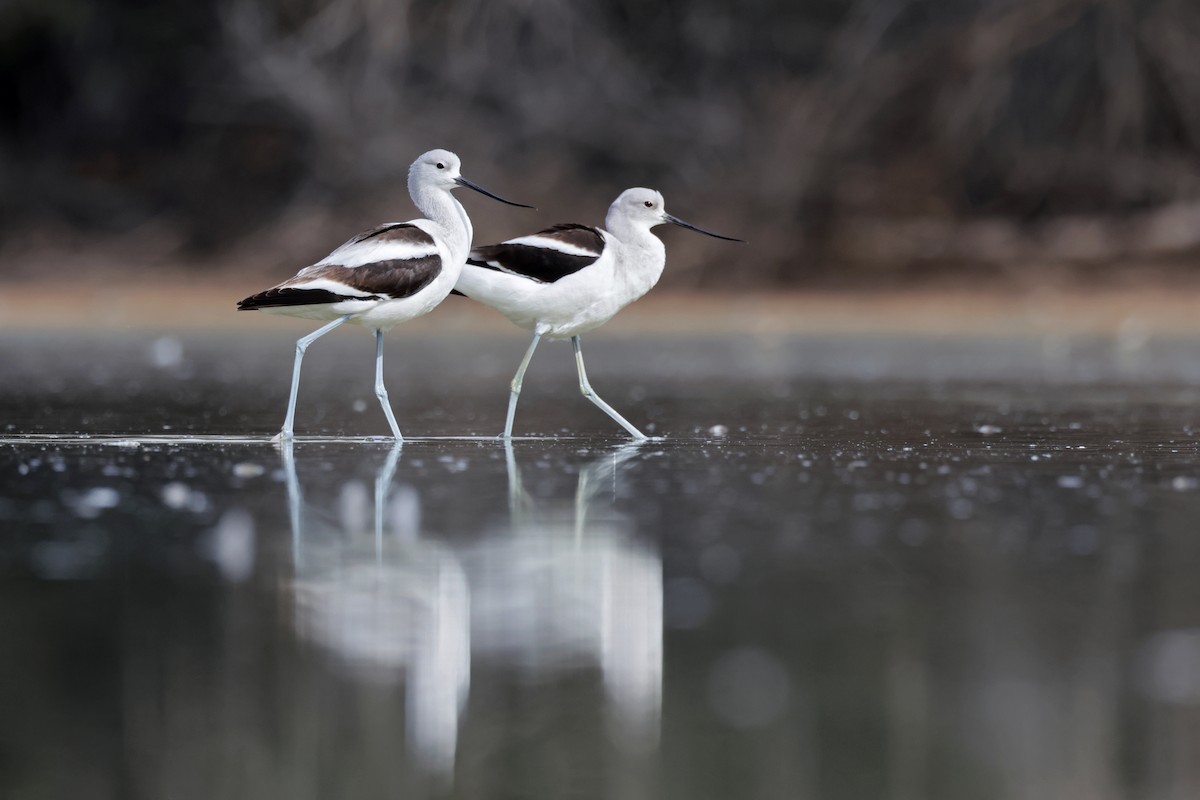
[(720, 563), (961, 508), (175, 495), (749, 688), (231, 545), (687, 603), (166, 352), (718, 430), (181, 497), (248, 469), (1169, 666), (1070, 481), (359, 405), (454, 464), (988, 429), (96, 500)]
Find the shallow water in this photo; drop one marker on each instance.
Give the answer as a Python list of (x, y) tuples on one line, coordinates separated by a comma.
[(848, 569)]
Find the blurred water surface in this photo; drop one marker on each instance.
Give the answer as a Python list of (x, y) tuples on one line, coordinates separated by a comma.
[(848, 570)]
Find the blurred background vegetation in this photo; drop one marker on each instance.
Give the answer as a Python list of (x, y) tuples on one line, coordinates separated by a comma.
[(866, 143)]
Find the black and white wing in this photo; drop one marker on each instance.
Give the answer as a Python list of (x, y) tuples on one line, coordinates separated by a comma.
[(387, 263), (545, 256)]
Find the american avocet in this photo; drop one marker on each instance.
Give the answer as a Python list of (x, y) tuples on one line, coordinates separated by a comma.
[(566, 280), (384, 276)]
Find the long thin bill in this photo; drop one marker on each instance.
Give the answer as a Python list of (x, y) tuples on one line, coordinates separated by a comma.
[(690, 226), (461, 181)]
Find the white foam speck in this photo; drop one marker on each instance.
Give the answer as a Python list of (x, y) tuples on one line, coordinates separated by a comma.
[(247, 469), (100, 497)]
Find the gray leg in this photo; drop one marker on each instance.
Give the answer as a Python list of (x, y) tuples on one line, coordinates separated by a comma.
[(590, 394), (302, 345), (516, 385), (381, 390)]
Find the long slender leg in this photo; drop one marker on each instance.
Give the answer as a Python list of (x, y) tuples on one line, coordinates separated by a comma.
[(516, 385), (381, 390), (302, 345), (590, 394)]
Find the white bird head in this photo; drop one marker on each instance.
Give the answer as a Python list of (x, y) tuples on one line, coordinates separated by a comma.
[(442, 169), (646, 208), (436, 168)]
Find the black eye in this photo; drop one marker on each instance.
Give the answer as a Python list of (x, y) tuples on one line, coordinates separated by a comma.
[(440, 165), (649, 204)]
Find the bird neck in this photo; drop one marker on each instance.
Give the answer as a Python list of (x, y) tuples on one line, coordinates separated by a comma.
[(642, 260), (638, 238), (441, 208)]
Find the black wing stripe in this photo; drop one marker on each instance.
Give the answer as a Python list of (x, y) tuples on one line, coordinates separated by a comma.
[(395, 279), (289, 296), (395, 231), (585, 237), (377, 281), (535, 263)]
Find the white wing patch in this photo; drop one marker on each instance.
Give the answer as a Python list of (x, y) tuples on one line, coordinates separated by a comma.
[(547, 243), (337, 287), (391, 242)]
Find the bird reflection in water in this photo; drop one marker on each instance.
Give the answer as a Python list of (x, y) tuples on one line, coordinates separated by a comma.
[(390, 606), (563, 587), (570, 586)]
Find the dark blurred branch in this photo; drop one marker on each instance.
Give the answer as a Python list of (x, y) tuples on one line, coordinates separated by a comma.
[(788, 124)]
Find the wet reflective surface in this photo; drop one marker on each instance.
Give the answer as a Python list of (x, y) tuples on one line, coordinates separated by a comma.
[(836, 577)]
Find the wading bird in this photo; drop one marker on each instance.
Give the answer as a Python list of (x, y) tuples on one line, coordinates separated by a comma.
[(566, 280), (384, 276)]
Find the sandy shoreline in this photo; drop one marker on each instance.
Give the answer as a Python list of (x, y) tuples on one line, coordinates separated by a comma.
[(176, 304)]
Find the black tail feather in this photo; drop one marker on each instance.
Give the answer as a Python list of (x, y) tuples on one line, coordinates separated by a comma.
[(288, 296)]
